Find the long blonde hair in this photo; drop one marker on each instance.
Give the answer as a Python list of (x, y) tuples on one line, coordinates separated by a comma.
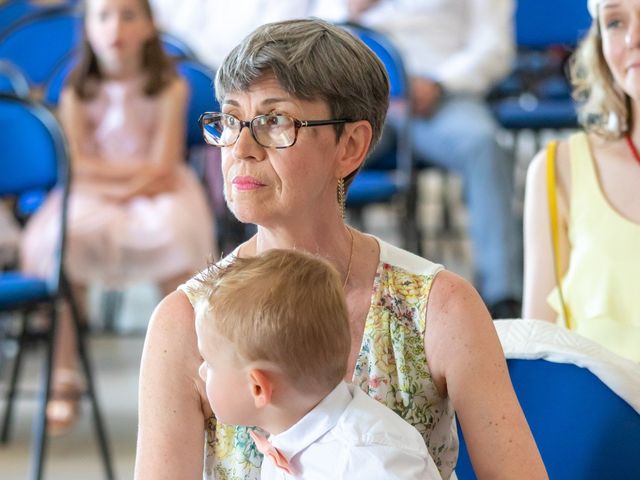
[(604, 108)]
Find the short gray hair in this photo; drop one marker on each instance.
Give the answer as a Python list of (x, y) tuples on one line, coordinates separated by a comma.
[(312, 60)]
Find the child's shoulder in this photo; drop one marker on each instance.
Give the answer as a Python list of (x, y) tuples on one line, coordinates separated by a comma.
[(371, 421)]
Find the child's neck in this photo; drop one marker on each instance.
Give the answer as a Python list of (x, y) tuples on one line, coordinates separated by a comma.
[(284, 412)]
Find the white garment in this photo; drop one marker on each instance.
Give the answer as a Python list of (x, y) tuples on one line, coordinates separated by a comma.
[(466, 45), (348, 436), (533, 339), (9, 237), (211, 28)]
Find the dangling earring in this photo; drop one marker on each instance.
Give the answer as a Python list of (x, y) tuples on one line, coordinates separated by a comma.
[(341, 197)]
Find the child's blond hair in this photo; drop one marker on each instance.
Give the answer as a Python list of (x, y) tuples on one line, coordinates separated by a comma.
[(282, 306)]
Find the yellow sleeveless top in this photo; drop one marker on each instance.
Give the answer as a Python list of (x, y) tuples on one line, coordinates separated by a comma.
[(600, 286)]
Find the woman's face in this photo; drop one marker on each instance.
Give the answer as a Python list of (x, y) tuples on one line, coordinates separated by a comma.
[(269, 186), (117, 31), (620, 28)]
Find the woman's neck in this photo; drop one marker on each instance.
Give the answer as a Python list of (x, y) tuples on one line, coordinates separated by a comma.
[(332, 241)]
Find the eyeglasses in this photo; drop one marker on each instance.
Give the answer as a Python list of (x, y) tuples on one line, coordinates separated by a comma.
[(270, 131)]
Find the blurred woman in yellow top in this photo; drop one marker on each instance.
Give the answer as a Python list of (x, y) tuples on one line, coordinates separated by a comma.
[(597, 179)]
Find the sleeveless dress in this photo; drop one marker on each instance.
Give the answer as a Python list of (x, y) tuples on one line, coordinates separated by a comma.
[(146, 238), (600, 285), (391, 367)]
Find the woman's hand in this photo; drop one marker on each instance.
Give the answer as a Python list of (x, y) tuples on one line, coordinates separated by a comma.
[(151, 181)]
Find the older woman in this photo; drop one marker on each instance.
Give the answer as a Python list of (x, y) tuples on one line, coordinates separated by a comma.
[(596, 183), (303, 102)]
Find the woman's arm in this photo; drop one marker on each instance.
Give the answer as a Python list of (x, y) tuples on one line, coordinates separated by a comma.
[(468, 364), (539, 276), (172, 406)]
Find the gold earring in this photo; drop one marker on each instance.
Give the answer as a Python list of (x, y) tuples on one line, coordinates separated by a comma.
[(341, 197)]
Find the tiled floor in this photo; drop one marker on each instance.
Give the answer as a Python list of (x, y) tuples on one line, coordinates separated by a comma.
[(116, 358)]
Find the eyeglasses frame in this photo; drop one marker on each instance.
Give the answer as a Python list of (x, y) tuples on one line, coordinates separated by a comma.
[(298, 124)]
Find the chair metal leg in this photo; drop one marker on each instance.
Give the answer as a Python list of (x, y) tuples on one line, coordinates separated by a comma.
[(101, 433), (40, 421), (111, 308), (412, 229), (13, 382)]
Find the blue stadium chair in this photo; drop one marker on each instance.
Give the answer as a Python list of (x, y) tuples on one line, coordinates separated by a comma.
[(584, 430), (12, 11), (389, 176), (12, 81), (175, 47), (536, 95), (34, 156), (200, 79), (38, 43)]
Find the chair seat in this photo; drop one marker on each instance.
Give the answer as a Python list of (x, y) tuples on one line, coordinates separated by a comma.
[(372, 187), (17, 289), (513, 113)]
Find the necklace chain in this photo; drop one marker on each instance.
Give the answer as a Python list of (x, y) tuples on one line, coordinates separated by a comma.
[(632, 147), (346, 279)]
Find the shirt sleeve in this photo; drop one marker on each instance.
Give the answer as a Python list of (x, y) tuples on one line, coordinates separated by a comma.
[(385, 462), (489, 50)]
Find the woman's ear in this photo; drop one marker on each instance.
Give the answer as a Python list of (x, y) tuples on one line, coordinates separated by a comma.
[(261, 386), (356, 139)]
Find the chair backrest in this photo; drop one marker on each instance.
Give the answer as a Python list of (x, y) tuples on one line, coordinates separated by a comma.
[(175, 47), (540, 23), (34, 155), (582, 427), (37, 43), (399, 156), (202, 97), (12, 80)]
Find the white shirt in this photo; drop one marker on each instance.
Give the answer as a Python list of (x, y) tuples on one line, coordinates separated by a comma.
[(211, 28), (466, 45), (348, 436)]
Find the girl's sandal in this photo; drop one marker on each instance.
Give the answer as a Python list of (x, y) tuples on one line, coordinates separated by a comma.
[(63, 407)]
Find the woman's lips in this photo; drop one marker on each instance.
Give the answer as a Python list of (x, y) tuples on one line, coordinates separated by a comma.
[(246, 183)]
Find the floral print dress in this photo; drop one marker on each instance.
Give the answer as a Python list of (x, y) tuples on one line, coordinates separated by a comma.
[(391, 367)]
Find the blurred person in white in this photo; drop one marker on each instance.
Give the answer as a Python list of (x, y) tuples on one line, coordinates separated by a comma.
[(211, 28), (597, 173), (454, 51)]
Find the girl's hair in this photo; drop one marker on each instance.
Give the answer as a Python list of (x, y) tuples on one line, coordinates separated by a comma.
[(285, 307), (604, 108), (86, 76)]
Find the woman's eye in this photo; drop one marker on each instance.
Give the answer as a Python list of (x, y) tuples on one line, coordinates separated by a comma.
[(612, 24)]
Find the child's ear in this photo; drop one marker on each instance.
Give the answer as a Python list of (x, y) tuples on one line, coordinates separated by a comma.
[(261, 386)]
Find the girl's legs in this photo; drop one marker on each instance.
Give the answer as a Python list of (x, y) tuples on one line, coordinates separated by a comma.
[(63, 406)]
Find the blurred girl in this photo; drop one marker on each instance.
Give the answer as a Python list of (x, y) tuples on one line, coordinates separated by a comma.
[(136, 211)]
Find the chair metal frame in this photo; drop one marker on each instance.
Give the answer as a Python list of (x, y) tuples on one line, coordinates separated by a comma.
[(51, 292), (15, 80)]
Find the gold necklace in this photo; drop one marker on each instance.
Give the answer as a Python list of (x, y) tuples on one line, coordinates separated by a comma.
[(346, 279)]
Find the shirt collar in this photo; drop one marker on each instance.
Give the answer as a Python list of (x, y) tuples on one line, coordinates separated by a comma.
[(322, 418)]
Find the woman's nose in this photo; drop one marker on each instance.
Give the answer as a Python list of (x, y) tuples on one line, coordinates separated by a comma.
[(246, 147), (202, 371), (632, 37)]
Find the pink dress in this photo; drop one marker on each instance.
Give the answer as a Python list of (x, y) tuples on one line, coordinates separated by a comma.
[(147, 238)]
